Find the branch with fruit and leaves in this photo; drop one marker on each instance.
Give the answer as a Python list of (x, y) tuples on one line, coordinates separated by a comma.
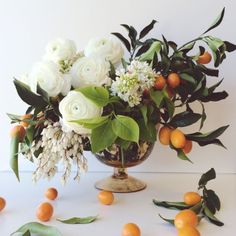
[(76, 98)]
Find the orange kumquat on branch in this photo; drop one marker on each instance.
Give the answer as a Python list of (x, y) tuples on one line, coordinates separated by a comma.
[(177, 138), (160, 82), (164, 135), (194, 207), (173, 80), (24, 119), (18, 131), (205, 58), (188, 146)]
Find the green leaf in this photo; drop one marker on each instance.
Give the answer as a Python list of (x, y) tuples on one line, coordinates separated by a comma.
[(203, 116), (167, 220), (123, 40), (27, 233), (211, 196), (185, 118), (208, 71), (102, 137), (217, 21), (147, 132), (157, 97), (211, 217), (230, 47), (93, 122), (209, 175), (215, 97), (123, 143), (149, 54), (126, 128), (39, 229), (14, 149), (144, 111), (98, 95), (188, 78), (207, 136), (170, 106), (147, 29), (181, 155), (188, 47), (213, 87), (79, 220), (214, 141), (171, 205), (27, 96), (30, 133), (43, 93), (132, 34)]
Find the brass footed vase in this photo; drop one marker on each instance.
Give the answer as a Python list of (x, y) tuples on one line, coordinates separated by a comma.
[(120, 181)]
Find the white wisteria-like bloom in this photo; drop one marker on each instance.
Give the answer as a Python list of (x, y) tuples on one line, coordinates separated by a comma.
[(76, 106), (57, 146), (107, 48), (60, 50), (90, 71), (47, 74), (130, 84)]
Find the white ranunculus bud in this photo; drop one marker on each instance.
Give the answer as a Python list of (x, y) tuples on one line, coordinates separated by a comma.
[(76, 106), (90, 71), (60, 50), (67, 84), (47, 74), (108, 48)]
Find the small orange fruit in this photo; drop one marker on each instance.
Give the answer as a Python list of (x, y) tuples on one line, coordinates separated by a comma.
[(106, 197), (2, 203), (173, 80), (25, 117), (164, 135), (177, 138), (44, 211), (170, 92), (146, 93), (188, 231), (205, 58), (192, 198), (18, 131), (131, 229), (160, 82), (51, 193), (185, 217), (188, 146)]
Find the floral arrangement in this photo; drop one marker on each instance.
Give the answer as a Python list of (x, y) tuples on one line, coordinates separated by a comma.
[(96, 98)]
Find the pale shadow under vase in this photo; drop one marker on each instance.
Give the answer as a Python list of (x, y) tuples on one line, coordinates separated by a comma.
[(120, 181)]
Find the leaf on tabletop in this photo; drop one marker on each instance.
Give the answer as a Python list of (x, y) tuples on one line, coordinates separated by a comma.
[(167, 220), (79, 220), (211, 217), (39, 229), (171, 205)]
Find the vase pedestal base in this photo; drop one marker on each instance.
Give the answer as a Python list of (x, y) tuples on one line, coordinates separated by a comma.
[(120, 182)]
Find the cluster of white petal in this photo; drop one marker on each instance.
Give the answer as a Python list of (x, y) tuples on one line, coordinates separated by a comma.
[(130, 84), (56, 146)]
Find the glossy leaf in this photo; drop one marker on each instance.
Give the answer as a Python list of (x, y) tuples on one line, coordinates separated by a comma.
[(203, 118), (171, 205), (181, 155), (39, 229), (43, 93), (79, 220), (14, 149), (211, 217), (188, 78), (230, 47), (147, 29), (217, 21), (102, 137), (185, 118), (215, 97), (211, 196), (167, 220), (123, 40), (209, 175), (149, 54), (208, 71), (93, 122), (126, 128), (207, 136), (157, 97), (98, 95), (144, 111), (213, 87), (27, 96), (132, 34), (169, 106)]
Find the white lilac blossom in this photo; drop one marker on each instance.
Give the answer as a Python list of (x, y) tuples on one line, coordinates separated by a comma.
[(107, 48), (76, 106), (130, 84), (90, 71), (56, 147)]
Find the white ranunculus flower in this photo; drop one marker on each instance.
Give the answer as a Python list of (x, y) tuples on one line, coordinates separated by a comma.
[(47, 74), (108, 48), (67, 84), (76, 106), (60, 49), (90, 71)]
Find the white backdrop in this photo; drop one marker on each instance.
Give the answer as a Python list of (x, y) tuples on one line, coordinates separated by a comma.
[(26, 27)]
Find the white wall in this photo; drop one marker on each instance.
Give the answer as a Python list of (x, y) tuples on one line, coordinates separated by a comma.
[(26, 27)]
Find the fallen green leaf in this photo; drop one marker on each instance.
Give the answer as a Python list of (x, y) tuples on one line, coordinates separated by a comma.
[(79, 220)]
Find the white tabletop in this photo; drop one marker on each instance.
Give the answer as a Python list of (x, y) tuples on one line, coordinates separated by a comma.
[(81, 200)]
